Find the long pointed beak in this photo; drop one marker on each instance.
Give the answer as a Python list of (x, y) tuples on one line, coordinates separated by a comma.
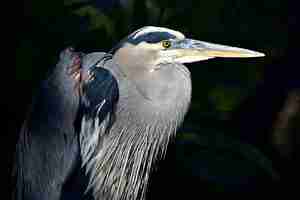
[(189, 50)]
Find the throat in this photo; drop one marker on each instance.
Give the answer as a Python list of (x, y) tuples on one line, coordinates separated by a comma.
[(163, 87)]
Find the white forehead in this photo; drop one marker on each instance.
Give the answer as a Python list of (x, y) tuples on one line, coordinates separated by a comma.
[(149, 29)]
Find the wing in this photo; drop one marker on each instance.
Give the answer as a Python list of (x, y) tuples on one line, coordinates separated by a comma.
[(99, 96), (47, 149)]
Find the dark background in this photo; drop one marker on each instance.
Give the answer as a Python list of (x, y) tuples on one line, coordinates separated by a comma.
[(242, 131)]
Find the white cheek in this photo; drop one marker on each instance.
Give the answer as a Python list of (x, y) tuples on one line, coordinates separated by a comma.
[(166, 56)]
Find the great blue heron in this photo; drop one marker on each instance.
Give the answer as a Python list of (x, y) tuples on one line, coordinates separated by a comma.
[(109, 114)]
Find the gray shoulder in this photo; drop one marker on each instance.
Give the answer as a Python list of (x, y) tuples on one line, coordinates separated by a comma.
[(92, 59)]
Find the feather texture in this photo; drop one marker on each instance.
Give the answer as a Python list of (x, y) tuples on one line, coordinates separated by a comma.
[(120, 146)]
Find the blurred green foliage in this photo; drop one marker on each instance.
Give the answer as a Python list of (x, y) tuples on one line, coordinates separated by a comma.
[(219, 85)]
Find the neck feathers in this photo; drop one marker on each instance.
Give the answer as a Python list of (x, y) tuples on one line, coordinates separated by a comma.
[(120, 161)]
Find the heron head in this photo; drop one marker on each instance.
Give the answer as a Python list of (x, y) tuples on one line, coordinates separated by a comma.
[(151, 46), (152, 58)]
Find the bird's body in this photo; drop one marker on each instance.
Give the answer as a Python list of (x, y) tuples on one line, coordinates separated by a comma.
[(145, 138), (107, 117), (48, 146)]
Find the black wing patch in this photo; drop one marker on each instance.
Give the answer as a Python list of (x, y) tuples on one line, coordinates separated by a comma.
[(99, 96), (100, 93)]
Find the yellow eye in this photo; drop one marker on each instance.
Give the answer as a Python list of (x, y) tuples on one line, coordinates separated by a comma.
[(166, 44)]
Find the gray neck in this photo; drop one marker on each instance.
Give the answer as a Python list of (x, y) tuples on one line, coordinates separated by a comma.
[(140, 134), (154, 94)]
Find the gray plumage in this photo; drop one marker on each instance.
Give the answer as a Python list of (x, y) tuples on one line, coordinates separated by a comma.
[(122, 157), (109, 115)]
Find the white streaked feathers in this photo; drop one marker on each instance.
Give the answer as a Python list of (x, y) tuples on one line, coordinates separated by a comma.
[(119, 152), (120, 169), (89, 140)]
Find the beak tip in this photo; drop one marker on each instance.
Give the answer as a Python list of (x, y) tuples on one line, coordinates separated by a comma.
[(258, 54), (253, 54)]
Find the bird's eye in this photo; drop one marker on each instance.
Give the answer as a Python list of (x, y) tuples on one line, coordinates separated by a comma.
[(166, 44)]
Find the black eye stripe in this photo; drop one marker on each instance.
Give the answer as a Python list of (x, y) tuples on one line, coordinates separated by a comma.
[(153, 37)]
